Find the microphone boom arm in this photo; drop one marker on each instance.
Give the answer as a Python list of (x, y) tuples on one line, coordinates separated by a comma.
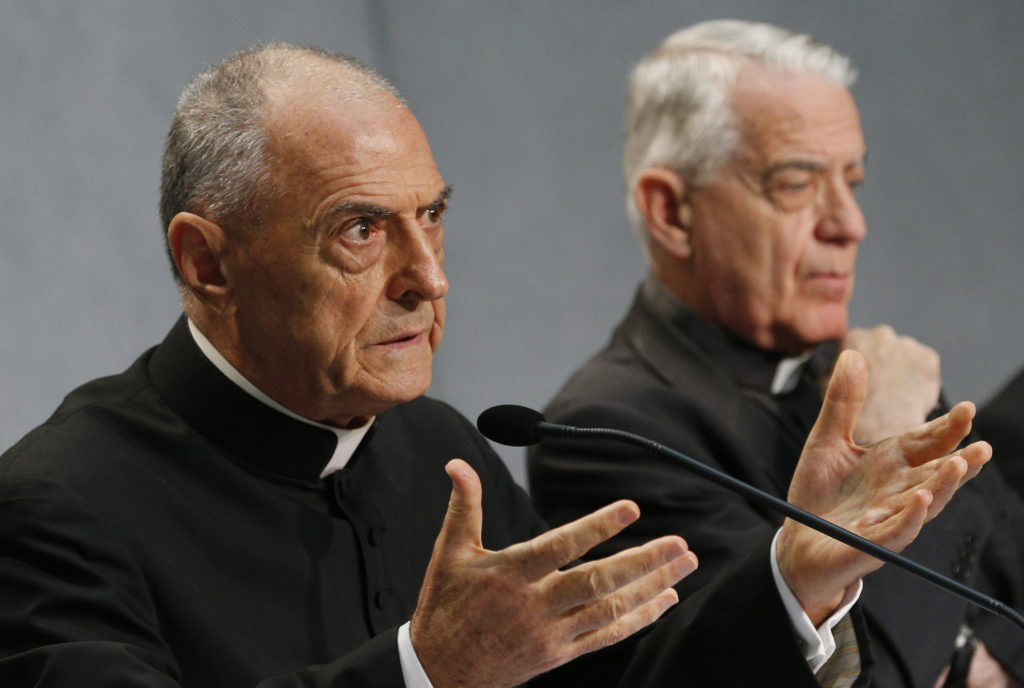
[(808, 519)]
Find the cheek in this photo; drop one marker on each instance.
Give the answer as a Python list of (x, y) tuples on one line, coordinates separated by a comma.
[(437, 329), (790, 257), (336, 319), (755, 245), (761, 269)]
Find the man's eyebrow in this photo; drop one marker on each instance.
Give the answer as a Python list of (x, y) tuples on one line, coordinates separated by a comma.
[(810, 165), (358, 208), (442, 197), (362, 208)]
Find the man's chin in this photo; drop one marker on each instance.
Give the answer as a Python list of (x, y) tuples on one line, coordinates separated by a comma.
[(373, 397), (402, 391), (824, 330), (809, 333)]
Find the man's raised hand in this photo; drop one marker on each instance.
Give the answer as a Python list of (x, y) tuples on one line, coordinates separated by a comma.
[(488, 618), (884, 492)]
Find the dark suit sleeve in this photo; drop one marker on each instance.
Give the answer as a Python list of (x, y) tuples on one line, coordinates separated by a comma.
[(75, 610)]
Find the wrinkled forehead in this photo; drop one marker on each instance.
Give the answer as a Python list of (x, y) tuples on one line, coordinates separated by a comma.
[(331, 147), (800, 114)]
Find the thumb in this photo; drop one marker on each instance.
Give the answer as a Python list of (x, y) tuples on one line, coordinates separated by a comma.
[(464, 520), (844, 398)]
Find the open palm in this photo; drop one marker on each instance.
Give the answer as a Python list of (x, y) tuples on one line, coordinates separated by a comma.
[(884, 492)]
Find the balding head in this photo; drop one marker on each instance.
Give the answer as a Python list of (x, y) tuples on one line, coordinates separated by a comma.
[(217, 162)]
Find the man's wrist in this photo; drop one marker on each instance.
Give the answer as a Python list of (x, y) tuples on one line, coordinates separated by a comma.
[(816, 644), (817, 593)]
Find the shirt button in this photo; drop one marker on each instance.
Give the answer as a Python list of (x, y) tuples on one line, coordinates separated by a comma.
[(383, 598)]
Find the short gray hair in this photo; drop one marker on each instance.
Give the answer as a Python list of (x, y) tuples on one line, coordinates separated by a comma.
[(678, 111), (216, 162)]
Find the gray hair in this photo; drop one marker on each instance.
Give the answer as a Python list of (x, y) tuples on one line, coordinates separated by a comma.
[(678, 110), (216, 162)]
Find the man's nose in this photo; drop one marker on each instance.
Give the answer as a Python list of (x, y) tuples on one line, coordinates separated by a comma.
[(420, 272), (840, 218)]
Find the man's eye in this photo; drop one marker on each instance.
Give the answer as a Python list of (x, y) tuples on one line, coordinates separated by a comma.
[(792, 190), (792, 182), (432, 216), (360, 231)]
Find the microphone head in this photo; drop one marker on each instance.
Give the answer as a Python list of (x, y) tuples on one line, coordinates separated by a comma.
[(509, 424)]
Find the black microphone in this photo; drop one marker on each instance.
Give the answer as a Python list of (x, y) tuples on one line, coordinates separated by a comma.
[(519, 426)]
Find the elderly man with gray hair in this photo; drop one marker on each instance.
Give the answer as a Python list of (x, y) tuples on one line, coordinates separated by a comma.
[(742, 153)]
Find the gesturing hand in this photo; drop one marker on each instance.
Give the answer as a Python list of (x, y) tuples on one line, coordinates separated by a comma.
[(884, 492), (499, 618)]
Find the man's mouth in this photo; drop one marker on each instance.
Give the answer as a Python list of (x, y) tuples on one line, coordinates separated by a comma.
[(405, 338), (838, 276), (832, 284)]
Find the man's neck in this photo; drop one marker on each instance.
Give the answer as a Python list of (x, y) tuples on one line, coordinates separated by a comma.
[(348, 439)]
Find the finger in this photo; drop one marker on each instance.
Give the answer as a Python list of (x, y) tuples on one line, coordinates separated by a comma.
[(944, 483), (596, 580), (626, 625), (560, 546), (464, 520), (953, 472), (844, 398), (900, 529), (940, 436), (976, 454), (625, 600)]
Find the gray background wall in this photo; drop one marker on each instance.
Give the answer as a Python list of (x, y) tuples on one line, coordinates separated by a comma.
[(522, 103)]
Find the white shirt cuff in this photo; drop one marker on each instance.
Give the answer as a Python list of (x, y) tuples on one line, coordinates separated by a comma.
[(412, 671), (817, 644)]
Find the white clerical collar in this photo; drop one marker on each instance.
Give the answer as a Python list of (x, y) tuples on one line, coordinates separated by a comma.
[(348, 440), (787, 374)]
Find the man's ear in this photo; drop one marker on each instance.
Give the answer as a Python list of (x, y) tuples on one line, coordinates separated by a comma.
[(660, 195), (197, 246)]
